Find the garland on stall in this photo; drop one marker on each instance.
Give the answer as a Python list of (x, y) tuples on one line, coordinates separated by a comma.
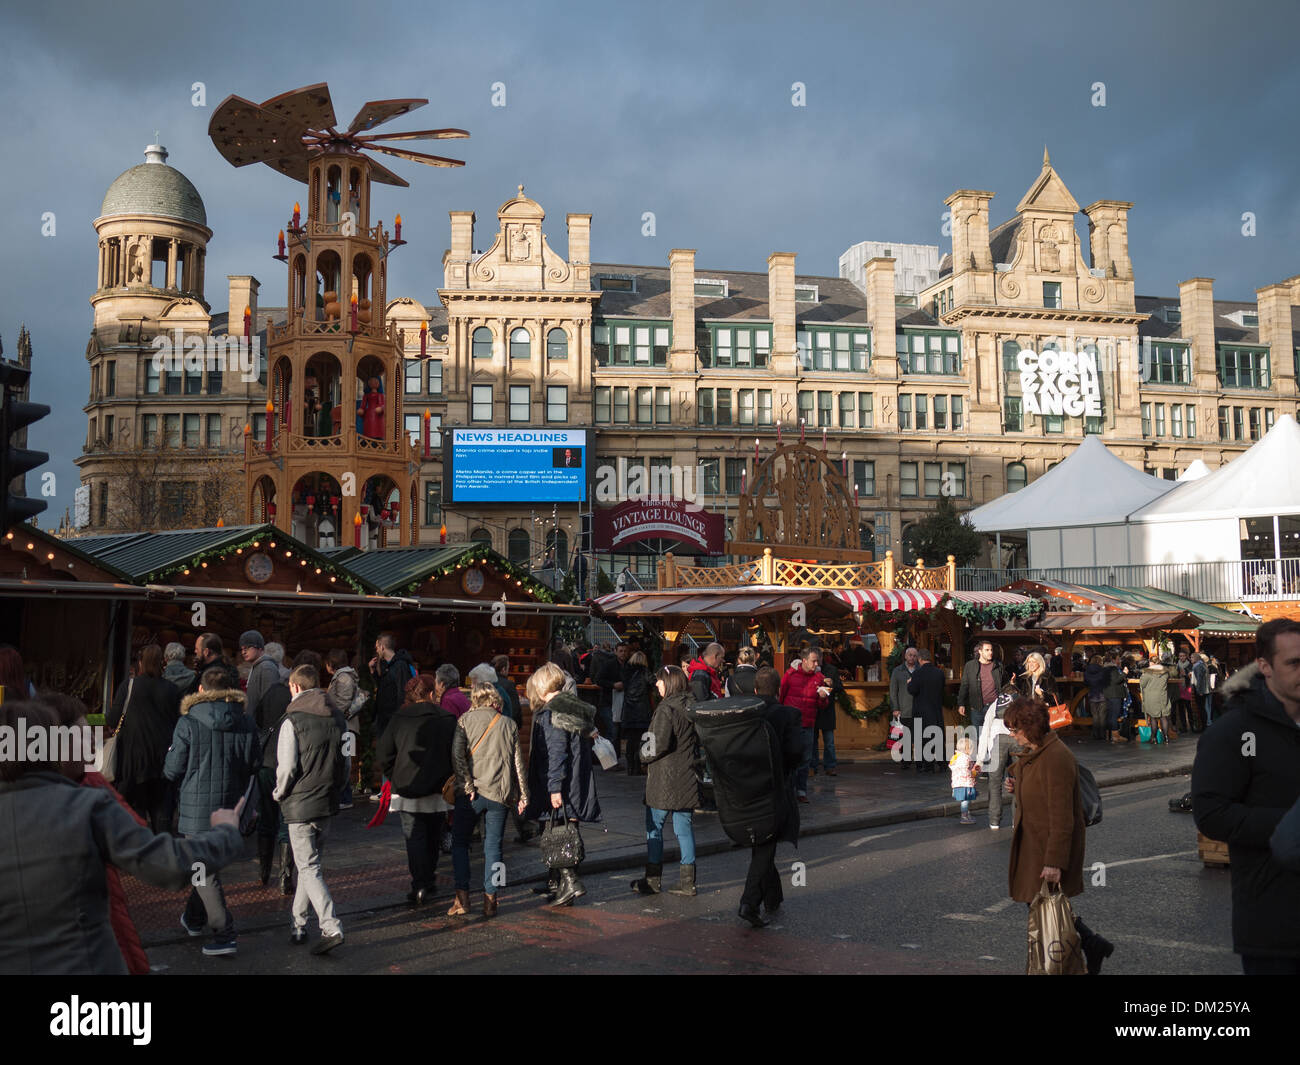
[(992, 613), (474, 556), (254, 542)]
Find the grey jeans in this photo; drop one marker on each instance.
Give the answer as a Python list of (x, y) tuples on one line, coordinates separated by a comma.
[(308, 840), (1003, 747)]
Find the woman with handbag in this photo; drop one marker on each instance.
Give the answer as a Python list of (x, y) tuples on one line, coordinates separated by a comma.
[(490, 779), (636, 710), (561, 780), (1155, 699), (1047, 841), (415, 755), (672, 753), (143, 717)]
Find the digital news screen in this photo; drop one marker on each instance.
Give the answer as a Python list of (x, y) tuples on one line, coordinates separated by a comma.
[(515, 466)]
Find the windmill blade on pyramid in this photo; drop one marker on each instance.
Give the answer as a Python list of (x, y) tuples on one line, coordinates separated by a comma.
[(417, 157), (414, 135), (376, 112)]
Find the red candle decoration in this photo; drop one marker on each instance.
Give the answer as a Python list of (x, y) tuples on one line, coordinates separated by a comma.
[(755, 451), (270, 415), (270, 510), (426, 433), (248, 323), (844, 462), (442, 533), (356, 531), (855, 495), (353, 312), (801, 430), (424, 337), (778, 432), (280, 240), (742, 481), (823, 438), (397, 228), (296, 223)]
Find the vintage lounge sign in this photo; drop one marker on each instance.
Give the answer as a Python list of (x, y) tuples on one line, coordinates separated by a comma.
[(658, 518), (1060, 382)]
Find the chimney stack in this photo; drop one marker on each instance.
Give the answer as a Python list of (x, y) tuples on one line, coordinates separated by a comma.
[(1274, 307), (1196, 304), (882, 316), (780, 305), (681, 298), (243, 293), (456, 262), (580, 249)]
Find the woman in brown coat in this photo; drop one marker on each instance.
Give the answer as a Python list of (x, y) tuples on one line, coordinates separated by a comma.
[(1048, 838)]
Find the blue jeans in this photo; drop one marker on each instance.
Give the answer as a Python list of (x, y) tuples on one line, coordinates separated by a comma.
[(462, 831), (682, 829), (1209, 707), (828, 747), (809, 747)]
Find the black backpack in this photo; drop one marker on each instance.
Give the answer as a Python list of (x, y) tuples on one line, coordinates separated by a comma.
[(744, 756), (1091, 796)]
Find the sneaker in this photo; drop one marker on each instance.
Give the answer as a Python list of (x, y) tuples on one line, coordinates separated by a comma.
[(220, 945), (966, 819), (345, 805), (194, 932), (374, 796), (327, 943)]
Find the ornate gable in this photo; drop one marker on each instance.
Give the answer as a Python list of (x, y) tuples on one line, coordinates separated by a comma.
[(520, 257)]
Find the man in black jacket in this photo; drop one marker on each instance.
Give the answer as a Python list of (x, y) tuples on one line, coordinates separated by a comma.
[(1245, 779), (981, 681), (926, 689), (392, 670), (308, 778), (208, 652)]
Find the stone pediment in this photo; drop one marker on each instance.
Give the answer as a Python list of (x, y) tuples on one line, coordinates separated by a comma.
[(1048, 193), (520, 257)]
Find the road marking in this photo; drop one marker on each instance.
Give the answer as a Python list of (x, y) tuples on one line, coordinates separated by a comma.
[(841, 935), (910, 946), (998, 907), (1153, 858), (966, 917), (868, 839), (987, 957)]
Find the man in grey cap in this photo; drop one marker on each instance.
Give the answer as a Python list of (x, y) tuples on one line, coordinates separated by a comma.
[(262, 674)]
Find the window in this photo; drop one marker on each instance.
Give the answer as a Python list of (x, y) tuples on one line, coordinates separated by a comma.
[(1093, 426), (930, 353), (172, 383), (806, 401), (600, 344), (616, 284), (745, 407), (521, 344), (1146, 419), (933, 479), (433, 504), (941, 412), (435, 431), (521, 403), (645, 412), (848, 407), (1236, 423), (1176, 419), (722, 401), (411, 423), (1254, 423), (1016, 478), (177, 498), (557, 403), (1010, 353), (735, 469), (1169, 473), (1268, 419), (958, 411), (641, 345), (622, 406), (1168, 364), (704, 406), (1051, 294), (214, 430), (955, 479), (1012, 417), (622, 345), (764, 406), (480, 403), (1160, 419), (660, 351), (103, 503), (1223, 423), (710, 287), (481, 343), (481, 536), (1053, 423), (412, 375), (519, 547), (557, 344), (864, 478), (904, 410), (172, 429), (602, 399), (193, 382), (1173, 315), (108, 428), (734, 347), (110, 378), (663, 407), (907, 482), (866, 415), (557, 545), (435, 377), (825, 406), (1242, 367), (1191, 422), (637, 343), (805, 293), (661, 475), (922, 412), (1249, 320), (216, 381), (709, 474), (259, 427)]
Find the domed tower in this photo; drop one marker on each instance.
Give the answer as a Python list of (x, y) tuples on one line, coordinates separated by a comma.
[(337, 466)]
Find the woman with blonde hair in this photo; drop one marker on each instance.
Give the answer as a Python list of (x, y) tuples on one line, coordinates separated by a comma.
[(490, 778), (741, 681), (1036, 681), (561, 780)]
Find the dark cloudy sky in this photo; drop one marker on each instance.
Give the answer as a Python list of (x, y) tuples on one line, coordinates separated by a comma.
[(683, 109)]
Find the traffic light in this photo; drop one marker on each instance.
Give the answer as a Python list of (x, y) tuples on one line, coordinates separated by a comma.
[(16, 414)]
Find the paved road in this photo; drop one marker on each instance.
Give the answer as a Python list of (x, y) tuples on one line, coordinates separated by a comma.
[(922, 897)]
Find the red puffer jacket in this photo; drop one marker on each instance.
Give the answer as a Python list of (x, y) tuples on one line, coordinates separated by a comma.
[(128, 939), (799, 689)]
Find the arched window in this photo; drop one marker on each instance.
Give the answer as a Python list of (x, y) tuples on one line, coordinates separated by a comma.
[(557, 344), (1010, 349), (559, 540), (518, 547), (1016, 478), (521, 347), (481, 536), (482, 343), (866, 537)]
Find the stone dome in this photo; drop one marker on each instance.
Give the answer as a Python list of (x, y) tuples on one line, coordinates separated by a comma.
[(154, 188)]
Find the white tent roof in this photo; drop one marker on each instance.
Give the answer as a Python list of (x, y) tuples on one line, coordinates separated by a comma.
[(1263, 481), (1195, 471), (1091, 487)]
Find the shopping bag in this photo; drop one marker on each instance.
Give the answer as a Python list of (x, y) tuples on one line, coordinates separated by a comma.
[(1059, 716), (604, 751), (1054, 946)]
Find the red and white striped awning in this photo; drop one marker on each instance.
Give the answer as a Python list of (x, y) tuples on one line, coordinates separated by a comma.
[(989, 598), (893, 599)]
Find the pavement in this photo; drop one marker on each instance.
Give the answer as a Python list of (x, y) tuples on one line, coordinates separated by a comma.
[(366, 868)]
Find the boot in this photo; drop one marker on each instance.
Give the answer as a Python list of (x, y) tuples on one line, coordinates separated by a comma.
[(489, 905), (571, 889), (460, 908), (286, 869), (1096, 949), (652, 882), (552, 887), (265, 856), (685, 881)]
